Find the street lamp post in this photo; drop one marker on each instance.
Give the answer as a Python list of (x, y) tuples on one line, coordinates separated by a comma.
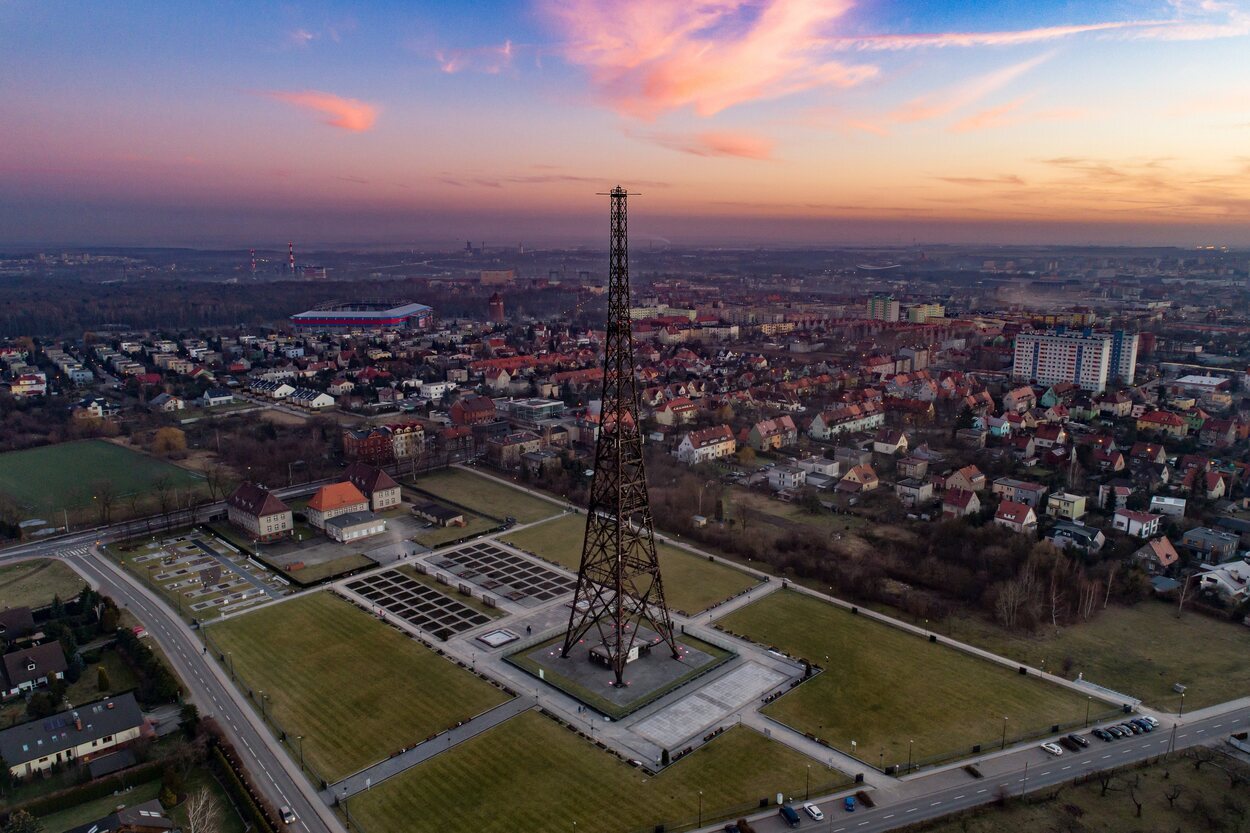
[(230, 662), (700, 808), (807, 791), (1004, 731), (911, 744), (1088, 702), (300, 738), (1181, 713)]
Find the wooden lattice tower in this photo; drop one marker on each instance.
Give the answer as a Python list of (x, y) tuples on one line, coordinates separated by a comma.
[(618, 583)]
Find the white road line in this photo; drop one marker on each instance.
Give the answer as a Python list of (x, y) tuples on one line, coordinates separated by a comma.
[(1047, 772), (1069, 766), (1105, 757), (956, 798), (934, 804), (913, 809), (982, 791), (1217, 725), (889, 816)]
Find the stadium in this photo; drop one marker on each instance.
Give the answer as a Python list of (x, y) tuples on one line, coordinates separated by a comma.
[(346, 316)]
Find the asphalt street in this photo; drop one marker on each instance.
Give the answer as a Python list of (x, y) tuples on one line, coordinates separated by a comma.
[(936, 794)]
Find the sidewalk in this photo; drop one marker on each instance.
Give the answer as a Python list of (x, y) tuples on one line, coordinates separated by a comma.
[(393, 766)]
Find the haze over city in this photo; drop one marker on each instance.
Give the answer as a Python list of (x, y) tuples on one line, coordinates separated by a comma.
[(777, 121)]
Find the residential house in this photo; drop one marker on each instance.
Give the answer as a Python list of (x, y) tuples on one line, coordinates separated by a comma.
[(1020, 399), (1169, 507), (706, 444), (859, 479), (1137, 524), (1020, 491), (259, 512), (1230, 581), (1147, 454), (378, 486), (166, 403), (1164, 422), (1049, 436), (1018, 517), (959, 503), (786, 478), (867, 416), (26, 669), (1066, 506), (1218, 433), (313, 400), (1069, 535), (1107, 461), (890, 442), (969, 478), (773, 434), (820, 465), (1156, 555), (81, 734), (912, 467), (1211, 545), (912, 492), (147, 817), (373, 445), (1022, 447), (213, 397), (16, 622), (677, 411), (333, 500), (849, 457)]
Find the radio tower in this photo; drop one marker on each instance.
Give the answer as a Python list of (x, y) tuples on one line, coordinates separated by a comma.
[(290, 247), (618, 582), (253, 252)]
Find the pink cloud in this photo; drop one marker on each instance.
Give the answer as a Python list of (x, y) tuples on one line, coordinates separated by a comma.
[(714, 143), (347, 113), (965, 94), (655, 56), (488, 59), (877, 43), (1010, 114)]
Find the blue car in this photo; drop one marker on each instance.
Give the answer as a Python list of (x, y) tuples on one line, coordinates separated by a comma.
[(848, 804)]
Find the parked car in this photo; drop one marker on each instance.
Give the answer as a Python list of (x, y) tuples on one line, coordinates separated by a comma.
[(1152, 721), (1053, 748), (788, 815), (813, 811), (1115, 732), (1079, 740), (1131, 728), (1142, 724), (848, 804), (1069, 744), (1102, 735)]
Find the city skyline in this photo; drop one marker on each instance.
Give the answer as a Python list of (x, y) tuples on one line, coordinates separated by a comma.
[(743, 123)]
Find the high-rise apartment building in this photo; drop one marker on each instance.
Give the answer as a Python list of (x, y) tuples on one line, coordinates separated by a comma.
[(883, 308), (921, 313), (1080, 357), (1123, 356)]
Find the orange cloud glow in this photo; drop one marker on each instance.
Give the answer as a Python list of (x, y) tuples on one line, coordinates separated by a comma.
[(714, 143), (655, 56), (347, 113)]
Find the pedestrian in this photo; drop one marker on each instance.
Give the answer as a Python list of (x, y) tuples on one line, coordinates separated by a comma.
[(528, 630)]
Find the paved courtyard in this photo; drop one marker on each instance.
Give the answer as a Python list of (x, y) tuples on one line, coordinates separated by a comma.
[(418, 604), (708, 705), (506, 574)]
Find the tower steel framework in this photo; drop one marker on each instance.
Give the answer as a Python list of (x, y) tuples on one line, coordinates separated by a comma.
[(618, 583)]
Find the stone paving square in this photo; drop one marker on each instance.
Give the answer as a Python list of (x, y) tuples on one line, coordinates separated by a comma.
[(672, 725), (416, 603)]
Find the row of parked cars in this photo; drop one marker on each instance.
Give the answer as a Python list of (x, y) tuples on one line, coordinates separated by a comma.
[(1075, 743)]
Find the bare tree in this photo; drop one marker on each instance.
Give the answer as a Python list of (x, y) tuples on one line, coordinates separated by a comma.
[(215, 480), (1115, 568), (104, 495), (1171, 794), (165, 495), (202, 813), (1058, 571), (1131, 789)]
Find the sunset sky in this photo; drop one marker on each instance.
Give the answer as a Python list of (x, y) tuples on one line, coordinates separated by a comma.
[(774, 121)]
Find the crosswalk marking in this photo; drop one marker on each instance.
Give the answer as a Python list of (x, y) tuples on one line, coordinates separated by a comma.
[(76, 551)]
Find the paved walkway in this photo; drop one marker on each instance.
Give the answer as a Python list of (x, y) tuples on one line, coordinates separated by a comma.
[(393, 766)]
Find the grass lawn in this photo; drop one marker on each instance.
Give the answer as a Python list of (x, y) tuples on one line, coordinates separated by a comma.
[(357, 689), (33, 584), (884, 687), (80, 814), (1140, 650), (486, 496), (67, 475), (544, 778), (691, 583), (450, 592), (336, 566)]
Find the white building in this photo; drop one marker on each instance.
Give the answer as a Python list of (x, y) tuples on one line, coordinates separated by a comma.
[(707, 444), (1082, 358), (783, 478)]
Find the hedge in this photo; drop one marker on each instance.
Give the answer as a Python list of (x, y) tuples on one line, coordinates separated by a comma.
[(241, 794)]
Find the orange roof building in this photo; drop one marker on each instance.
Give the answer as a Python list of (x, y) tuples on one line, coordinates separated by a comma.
[(334, 500)]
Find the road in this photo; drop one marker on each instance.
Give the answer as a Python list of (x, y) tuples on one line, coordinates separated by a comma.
[(940, 793)]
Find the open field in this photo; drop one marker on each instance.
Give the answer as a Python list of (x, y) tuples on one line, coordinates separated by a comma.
[(1204, 803), (48, 479), (884, 687), (691, 584), (485, 496), (370, 691), (35, 583), (545, 778), (1141, 651), (335, 567)]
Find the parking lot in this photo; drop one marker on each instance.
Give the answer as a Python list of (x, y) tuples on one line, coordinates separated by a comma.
[(505, 574), (418, 604)]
